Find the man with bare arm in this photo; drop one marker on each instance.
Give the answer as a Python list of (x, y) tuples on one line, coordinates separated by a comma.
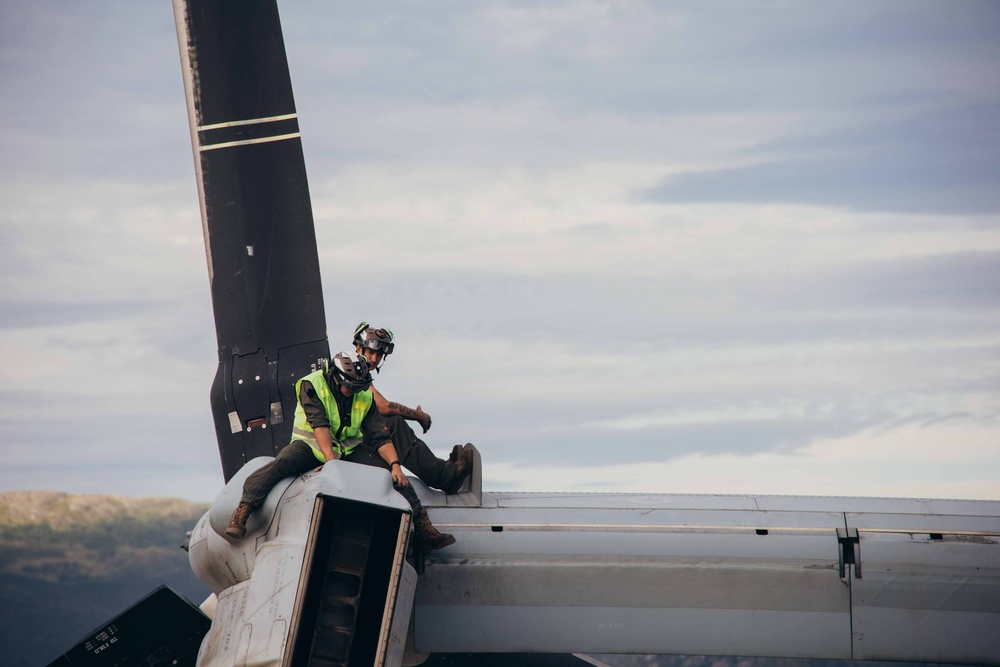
[(334, 423), (375, 345)]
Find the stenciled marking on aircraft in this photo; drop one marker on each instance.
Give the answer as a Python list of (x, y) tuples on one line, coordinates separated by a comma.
[(247, 132), (249, 141), (252, 121)]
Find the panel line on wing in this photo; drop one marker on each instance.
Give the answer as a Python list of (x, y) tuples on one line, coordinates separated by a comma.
[(660, 528), (626, 527)]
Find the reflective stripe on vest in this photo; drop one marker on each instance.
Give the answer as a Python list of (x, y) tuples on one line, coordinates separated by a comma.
[(350, 437)]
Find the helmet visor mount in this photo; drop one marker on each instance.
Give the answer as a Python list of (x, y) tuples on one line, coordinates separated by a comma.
[(351, 371)]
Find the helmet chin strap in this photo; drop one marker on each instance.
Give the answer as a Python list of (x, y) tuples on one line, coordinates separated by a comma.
[(378, 368)]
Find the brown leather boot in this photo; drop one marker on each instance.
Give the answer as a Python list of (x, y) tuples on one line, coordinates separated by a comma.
[(463, 467), (238, 524), (429, 536)]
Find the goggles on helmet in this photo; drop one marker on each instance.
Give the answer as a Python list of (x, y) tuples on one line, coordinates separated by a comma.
[(378, 344)]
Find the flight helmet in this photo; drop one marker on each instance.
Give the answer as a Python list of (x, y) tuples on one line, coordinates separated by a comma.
[(380, 340), (351, 370)]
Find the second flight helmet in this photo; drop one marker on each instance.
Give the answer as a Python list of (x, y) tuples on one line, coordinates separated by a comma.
[(370, 338)]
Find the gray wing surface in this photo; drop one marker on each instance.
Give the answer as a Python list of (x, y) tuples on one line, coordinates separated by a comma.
[(810, 577)]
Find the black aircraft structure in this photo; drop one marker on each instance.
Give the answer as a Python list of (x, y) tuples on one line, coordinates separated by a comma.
[(327, 574)]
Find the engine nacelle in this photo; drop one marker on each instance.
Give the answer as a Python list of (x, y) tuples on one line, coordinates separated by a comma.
[(321, 574)]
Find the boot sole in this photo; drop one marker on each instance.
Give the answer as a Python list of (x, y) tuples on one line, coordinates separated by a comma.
[(457, 485)]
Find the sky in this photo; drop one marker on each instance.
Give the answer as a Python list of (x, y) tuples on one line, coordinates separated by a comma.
[(699, 247)]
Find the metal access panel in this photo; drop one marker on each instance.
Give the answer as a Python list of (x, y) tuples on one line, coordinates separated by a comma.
[(928, 597), (258, 399), (646, 577), (350, 610)]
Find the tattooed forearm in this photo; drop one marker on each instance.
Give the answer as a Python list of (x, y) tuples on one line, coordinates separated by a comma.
[(403, 411)]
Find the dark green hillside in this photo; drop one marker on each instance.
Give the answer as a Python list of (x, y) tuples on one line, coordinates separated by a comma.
[(70, 562)]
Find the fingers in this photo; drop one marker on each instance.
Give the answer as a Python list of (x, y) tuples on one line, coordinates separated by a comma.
[(400, 480)]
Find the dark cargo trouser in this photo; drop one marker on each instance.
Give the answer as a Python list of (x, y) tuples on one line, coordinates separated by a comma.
[(417, 457), (298, 458), (295, 459)]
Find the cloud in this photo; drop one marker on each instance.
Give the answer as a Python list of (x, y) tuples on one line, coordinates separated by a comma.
[(31, 315), (91, 92), (944, 161), (934, 303), (865, 464), (954, 282), (101, 245), (639, 57)]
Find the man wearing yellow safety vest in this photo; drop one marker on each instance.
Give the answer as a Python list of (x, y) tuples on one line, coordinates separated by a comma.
[(334, 420), (375, 345)]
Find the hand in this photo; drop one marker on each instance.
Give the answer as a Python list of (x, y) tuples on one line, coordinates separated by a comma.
[(398, 478), (423, 419)]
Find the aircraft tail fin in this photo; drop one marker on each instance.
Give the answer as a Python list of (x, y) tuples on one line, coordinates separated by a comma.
[(257, 220)]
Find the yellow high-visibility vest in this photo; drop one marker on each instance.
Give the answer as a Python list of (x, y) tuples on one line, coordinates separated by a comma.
[(350, 436)]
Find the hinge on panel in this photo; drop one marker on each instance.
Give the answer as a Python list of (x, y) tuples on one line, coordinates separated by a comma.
[(850, 551)]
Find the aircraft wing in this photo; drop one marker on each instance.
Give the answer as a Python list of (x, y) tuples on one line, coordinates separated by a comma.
[(260, 241), (770, 576)]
